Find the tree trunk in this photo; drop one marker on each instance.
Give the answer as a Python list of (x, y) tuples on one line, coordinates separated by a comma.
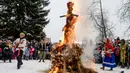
[(102, 21)]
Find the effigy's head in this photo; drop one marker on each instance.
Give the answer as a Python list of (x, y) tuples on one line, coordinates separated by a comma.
[(70, 6)]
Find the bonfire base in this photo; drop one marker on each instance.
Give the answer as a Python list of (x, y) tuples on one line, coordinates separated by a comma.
[(67, 60)]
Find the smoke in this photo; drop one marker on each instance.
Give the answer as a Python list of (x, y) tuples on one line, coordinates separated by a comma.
[(84, 30)]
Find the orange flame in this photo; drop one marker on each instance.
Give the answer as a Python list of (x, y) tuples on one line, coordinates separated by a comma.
[(62, 39), (68, 33)]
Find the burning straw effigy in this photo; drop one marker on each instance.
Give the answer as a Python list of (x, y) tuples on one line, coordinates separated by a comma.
[(65, 55)]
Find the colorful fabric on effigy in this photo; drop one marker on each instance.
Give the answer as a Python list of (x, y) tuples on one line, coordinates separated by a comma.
[(109, 59)]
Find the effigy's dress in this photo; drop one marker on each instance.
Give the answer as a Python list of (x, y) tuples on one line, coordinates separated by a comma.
[(69, 34)]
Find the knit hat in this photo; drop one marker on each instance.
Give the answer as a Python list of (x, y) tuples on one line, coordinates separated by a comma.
[(22, 33)]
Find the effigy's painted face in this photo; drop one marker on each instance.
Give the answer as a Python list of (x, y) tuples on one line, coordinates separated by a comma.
[(70, 6)]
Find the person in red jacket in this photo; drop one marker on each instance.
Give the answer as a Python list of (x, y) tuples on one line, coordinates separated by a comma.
[(109, 59)]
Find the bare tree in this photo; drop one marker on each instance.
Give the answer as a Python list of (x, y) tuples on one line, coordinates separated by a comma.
[(124, 13), (100, 18)]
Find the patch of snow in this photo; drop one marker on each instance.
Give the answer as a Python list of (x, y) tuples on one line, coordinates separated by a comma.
[(115, 70), (33, 66)]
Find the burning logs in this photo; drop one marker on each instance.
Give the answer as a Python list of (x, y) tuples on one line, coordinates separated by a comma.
[(68, 60), (65, 56)]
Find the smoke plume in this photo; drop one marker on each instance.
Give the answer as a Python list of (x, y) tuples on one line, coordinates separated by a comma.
[(84, 31)]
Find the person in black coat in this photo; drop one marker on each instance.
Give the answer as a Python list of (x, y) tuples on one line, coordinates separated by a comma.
[(35, 55), (7, 54), (49, 45)]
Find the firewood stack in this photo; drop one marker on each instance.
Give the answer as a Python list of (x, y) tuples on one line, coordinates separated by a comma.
[(68, 60)]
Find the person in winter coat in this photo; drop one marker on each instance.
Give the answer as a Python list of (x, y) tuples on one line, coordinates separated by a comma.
[(48, 48), (3, 44), (123, 53), (27, 52), (109, 59), (99, 55), (117, 51), (128, 58), (14, 50), (0, 53), (7, 54), (42, 50), (35, 55), (9, 44), (31, 50), (20, 45)]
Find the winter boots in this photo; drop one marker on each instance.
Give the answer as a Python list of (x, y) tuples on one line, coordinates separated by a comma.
[(111, 69), (122, 72), (19, 65), (122, 65), (102, 68)]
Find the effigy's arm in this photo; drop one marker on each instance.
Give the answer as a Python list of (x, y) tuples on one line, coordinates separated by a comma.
[(68, 15), (62, 16), (75, 15)]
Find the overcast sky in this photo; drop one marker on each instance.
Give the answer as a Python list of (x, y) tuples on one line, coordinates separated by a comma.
[(58, 8)]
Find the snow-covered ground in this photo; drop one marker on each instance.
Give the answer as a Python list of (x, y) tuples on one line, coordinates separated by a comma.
[(33, 66), (115, 70)]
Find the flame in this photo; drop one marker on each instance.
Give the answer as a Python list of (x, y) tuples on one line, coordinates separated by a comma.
[(68, 30), (68, 36), (62, 39), (56, 69), (76, 6)]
